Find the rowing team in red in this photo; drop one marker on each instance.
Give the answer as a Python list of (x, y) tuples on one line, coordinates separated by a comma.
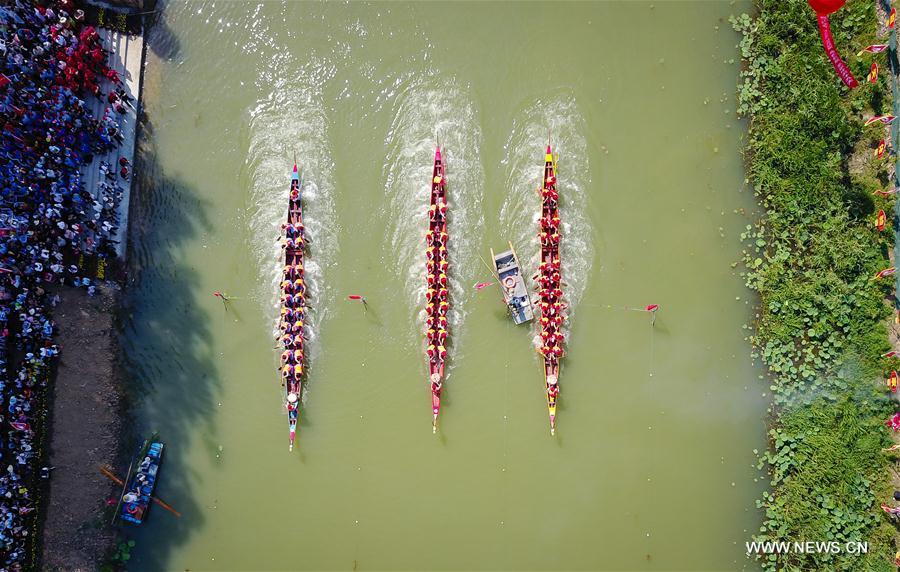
[(551, 306), (437, 302), (293, 313)]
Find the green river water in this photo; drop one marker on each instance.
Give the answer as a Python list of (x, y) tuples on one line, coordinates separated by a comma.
[(652, 467)]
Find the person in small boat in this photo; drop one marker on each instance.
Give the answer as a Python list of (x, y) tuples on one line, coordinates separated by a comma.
[(297, 327), (442, 322), (443, 307), (292, 401), (299, 287), (287, 356), (430, 308), (441, 352), (145, 464), (287, 286), (443, 293), (431, 351), (287, 371), (550, 180), (438, 179), (130, 496), (440, 336)]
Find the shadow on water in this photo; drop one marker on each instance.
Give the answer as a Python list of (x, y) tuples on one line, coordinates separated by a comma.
[(165, 44), (170, 372)]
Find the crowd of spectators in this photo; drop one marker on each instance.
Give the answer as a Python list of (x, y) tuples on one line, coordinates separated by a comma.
[(52, 64)]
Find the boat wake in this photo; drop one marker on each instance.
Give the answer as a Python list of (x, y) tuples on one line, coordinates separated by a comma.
[(428, 110), (292, 121), (524, 158)]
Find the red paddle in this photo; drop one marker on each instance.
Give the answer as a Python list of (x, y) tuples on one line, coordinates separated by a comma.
[(823, 8)]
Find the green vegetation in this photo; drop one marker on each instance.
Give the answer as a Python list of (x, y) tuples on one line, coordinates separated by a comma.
[(821, 323), (118, 560)]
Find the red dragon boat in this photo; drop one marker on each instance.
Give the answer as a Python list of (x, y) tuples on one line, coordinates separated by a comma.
[(551, 306), (293, 307), (437, 296)]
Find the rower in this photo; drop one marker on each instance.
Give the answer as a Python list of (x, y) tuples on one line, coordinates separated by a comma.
[(287, 371), (441, 352), (442, 279), (442, 294), (429, 237), (297, 327), (552, 387), (430, 252), (557, 351), (443, 264), (287, 356), (299, 286), (287, 286), (441, 335), (431, 351), (430, 308), (292, 401), (554, 238), (298, 355), (287, 341), (432, 212), (438, 179), (442, 307), (442, 209), (442, 322), (550, 180)]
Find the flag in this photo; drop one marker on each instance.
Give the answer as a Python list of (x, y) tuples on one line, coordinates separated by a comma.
[(891, 353), (886, 119), (892, 382), (879, 151), (482, 285), (652, 308), (881, 193), (892, 17), (889, 509), (886, 272), (354, 297), (873, 49), (19, 425), (881, 220), (873, 73)]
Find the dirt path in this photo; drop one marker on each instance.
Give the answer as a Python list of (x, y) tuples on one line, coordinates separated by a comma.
[(84, 432)]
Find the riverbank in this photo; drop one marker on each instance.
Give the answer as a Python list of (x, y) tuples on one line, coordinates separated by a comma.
[(821, 322), (86, 426)]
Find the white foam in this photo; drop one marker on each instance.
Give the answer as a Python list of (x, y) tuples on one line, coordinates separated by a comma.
[(428, 109), (559, 117), (292, 120)]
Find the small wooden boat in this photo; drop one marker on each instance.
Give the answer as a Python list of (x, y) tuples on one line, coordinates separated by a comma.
[(437, 295), (138, 491), (293, 307), (512, 285)]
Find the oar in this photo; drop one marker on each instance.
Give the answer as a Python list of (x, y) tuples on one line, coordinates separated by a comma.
[(106, 472)]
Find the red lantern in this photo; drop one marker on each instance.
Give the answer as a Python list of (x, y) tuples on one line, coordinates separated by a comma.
[(823, 8)]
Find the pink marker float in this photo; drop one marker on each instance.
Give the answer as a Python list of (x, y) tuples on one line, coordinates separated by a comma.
[(823, 8)]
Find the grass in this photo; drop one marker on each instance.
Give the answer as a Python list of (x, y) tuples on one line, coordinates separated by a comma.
[(820, 327)]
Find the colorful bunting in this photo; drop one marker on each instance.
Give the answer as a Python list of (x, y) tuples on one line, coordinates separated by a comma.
[(892, 382), (873, 73), (879, 151), (886, 119), (892, 353), (881, 193), (892, 18), (886, 272), (873, 49), (880, 220)]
